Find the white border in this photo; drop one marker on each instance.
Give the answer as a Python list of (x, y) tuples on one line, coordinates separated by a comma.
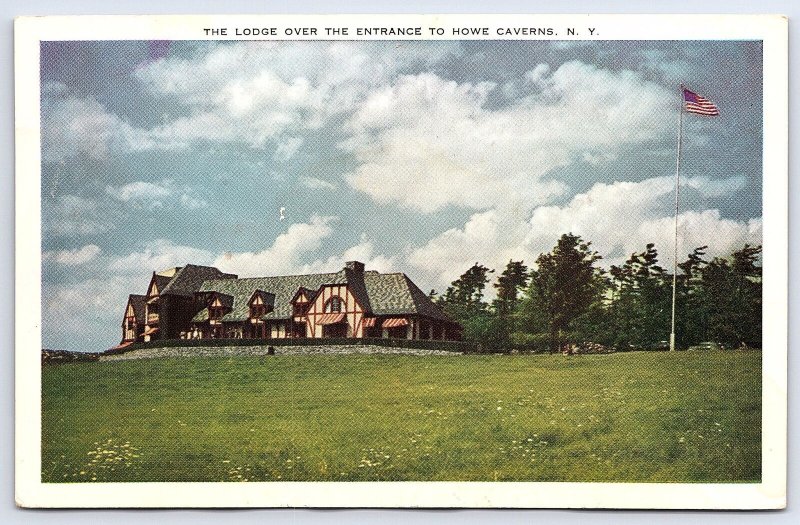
[(771, 493)]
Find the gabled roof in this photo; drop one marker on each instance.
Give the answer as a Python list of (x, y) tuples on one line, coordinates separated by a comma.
[(161, 282), (189, 278), (284, 287), (310, 294), (138, 305), (267, 298), (225, 300), (378, 294), (395, 294)]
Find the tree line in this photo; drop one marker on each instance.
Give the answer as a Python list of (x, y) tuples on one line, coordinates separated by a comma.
[(568, 299)]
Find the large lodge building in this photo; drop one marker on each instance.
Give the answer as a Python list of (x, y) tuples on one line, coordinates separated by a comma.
[(201, 302)]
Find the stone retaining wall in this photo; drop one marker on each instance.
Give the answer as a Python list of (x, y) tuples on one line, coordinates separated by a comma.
[(263, 350)]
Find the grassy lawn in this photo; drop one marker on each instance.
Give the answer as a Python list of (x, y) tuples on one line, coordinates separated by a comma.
[(660, 417)]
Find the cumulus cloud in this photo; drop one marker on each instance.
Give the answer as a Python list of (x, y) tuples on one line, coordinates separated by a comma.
[(622, 217), (426, 142), (155, 194), (257, 93), (101, 302), (364, 252), (73, 257), (618, 218), (74, 126), (158, 255), (314, 183), (288, 253), (75, 216)]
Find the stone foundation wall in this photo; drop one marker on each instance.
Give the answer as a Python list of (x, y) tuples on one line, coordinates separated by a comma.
[(263, 350)]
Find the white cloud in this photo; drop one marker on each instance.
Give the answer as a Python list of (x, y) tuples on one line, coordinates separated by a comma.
[(193, 203), (73, 257), (425, 142), (363, 252), (159, 255), (156, 194), (100, 300), (72, 126), (287, 253), (711, 188), (257, 93), (314, 183), (286, 149), (489, 237), (618, 218), (623, 217), (72, 215), (141, 190)]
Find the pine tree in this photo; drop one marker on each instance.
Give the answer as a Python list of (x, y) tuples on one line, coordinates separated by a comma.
[(509, 285), (642, 309), (463, 301), (564, 285), (732, 297)]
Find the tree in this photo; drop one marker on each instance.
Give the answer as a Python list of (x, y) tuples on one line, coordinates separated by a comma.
[(691, 312), (463, 301), (642, 301), (732, 298), (513, 280), (467, 290), (564, 284)]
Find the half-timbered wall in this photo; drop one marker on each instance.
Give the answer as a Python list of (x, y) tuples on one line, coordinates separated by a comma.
[(129, 324), (350, 307)]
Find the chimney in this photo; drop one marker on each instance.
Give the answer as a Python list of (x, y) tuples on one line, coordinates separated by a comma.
[(355, 267)]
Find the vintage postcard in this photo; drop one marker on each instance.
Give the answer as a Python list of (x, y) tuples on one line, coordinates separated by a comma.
[(401, 261)]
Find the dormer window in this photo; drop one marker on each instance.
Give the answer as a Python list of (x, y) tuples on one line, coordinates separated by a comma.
[(261, 303), (216, 312), (218, 308), (258, 310), (334, 305)]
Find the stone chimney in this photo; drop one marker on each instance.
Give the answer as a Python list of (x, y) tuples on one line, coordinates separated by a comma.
[(355, 267)]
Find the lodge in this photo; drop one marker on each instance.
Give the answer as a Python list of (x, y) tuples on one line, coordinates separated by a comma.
[(202, 302)]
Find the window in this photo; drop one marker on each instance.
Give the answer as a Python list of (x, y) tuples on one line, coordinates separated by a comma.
[(299, 309), (257, 310), (334, 305), (215, 312)]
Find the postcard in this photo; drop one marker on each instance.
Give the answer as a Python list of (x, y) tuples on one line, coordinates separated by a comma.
[(401, 261)]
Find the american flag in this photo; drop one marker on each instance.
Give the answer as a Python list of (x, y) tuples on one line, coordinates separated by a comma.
[(694, 103)]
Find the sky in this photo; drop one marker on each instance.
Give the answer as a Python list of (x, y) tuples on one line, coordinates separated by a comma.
[(276, 158)]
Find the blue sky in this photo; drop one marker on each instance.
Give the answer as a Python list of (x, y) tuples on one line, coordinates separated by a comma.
[(421, 157)]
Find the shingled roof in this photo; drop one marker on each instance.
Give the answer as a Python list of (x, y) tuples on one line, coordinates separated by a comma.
[(395, 294), (189, 278), (161, 281), (138, 305), (378, 294), (284, 287)]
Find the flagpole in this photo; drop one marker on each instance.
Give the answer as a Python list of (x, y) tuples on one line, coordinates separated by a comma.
[(675, 248)]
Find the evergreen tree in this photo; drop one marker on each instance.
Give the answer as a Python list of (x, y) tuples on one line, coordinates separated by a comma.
[(564, 285), (463, 301), (643, 295), (691, 312), (732, 298), (467, 290), (509, 285)]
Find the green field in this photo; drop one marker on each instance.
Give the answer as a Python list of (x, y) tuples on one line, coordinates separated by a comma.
[(651, 417)]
